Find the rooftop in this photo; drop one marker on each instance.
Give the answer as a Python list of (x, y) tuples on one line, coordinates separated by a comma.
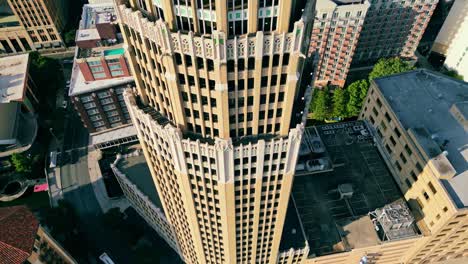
[(136, 170), (18, 228), (114, 134), (78, 85), (13, 77), (91, 17), (331, 222), (96, 14), (422, 100)]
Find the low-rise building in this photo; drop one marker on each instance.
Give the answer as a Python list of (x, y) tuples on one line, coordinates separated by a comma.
[(17, 103), (133, 174), (420, 123), (24, 240)]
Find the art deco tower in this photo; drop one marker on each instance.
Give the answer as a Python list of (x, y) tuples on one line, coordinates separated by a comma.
[(221, 88)]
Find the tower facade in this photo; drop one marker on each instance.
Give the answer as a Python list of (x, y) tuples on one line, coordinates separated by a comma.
[(221, 88), (42, 19)]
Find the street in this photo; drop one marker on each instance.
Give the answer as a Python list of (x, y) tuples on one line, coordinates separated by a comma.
[(77, 190)]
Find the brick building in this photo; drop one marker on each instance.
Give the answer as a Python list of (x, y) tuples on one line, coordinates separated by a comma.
[(337, 26), (392, 28), (99, 76), (24, 240)]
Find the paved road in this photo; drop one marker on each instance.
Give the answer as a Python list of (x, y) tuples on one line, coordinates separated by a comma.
[(77, 190)]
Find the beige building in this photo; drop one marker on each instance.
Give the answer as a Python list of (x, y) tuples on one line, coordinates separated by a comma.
[(218, 106), (420, 122), (32, 25), (451, 40)]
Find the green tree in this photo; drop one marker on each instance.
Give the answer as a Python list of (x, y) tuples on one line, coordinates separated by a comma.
[(389, 66), (70, 37), (340, 99), (22, 163), (357, 92), (454, 74), (321, 107)]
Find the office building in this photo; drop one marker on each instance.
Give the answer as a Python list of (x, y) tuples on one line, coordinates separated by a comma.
[(99, 76), (24, 240), (392, 29), (42, 20), (420, 123), (337, 27), (451, 41), (219, 100), (17, 105)]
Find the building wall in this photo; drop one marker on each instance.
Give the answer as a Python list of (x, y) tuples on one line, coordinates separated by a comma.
[(226, 198), (385, 253), (101, 68), (453, 25), (436, 214), (392, 28), (334, 39), (42, 19), (457, 47), (152, 214), (235, 190), (44, 241), (14, 40), (103, 109), (293, 256)]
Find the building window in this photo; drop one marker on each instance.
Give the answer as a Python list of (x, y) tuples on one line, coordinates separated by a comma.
[(433, 189)]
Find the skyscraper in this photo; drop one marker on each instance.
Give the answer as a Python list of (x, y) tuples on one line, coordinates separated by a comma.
[(221, 88)]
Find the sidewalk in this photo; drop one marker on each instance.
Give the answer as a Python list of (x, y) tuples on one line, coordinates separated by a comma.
[(99, 188)]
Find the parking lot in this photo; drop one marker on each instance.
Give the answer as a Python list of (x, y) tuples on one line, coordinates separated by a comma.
[(357, 163)]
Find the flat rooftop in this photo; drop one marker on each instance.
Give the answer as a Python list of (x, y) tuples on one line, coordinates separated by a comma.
[(93, 15), (13, 77), (78, 85), (422, 100), (332, 224), (97, 14), (136, 170)]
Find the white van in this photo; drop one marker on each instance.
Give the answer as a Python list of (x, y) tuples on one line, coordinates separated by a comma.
[(53, 159)]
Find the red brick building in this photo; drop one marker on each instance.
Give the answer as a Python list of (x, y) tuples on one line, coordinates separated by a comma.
[(337, 26)]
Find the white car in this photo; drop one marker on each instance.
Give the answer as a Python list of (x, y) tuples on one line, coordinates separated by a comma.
[(106, 259), (64, 104)]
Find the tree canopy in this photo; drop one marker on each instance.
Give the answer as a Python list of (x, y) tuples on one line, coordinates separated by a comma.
[(389, 66), (22, 163), (321, 104), (454, 74), (357, 92), (340, 99)]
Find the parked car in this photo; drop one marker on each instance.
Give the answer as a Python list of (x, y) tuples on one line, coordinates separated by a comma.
[(65, 104), (106, 259)]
